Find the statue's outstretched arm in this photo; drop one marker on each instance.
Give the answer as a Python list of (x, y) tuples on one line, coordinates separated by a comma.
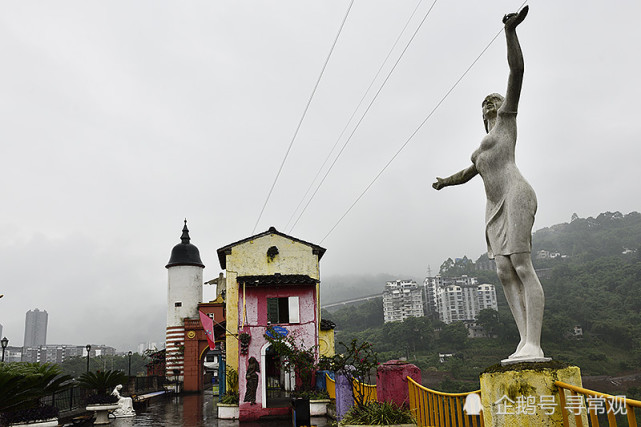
[(514, 59), (458, 178)]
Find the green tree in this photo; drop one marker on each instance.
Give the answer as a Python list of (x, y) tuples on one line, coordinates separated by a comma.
[(488, 319), (453, 336)]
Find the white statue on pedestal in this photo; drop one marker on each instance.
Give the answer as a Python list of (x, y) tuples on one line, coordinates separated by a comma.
[(125, 404)]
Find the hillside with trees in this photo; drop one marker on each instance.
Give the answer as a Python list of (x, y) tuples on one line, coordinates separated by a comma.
[(595, 286)]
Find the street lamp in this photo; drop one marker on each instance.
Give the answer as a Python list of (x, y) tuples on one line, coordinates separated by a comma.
[(129, 354), (88, 347), (5, 343)]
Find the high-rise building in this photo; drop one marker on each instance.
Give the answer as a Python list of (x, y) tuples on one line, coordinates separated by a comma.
[(1, 330), (460, 298), (35, 328), (402, 299)]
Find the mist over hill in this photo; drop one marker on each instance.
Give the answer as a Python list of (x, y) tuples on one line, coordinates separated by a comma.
[(610, 233), (592, 318), (581, 239), (343, 287)]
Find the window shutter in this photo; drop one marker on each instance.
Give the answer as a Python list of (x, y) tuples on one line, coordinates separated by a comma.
[(272, 310), (293, 310)]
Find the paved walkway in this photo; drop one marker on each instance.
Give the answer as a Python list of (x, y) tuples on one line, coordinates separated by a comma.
[(197, 410)]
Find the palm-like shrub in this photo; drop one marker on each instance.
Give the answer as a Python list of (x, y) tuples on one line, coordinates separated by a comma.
[(22, 385), (102, 383), (378, 413)]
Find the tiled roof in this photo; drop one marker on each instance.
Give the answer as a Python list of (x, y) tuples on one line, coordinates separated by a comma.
[(276, 279)]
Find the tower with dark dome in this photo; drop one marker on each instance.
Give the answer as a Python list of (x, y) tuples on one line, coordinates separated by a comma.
[(184, 293)]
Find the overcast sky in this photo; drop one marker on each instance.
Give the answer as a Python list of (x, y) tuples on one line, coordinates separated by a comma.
[(119, 119)]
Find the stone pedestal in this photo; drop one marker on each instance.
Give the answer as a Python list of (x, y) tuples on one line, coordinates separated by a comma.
[(391, 380), (102, 412), (524, 394)]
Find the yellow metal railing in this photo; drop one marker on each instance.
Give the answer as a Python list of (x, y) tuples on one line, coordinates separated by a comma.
[(331, 386), (435, 408), (367, 391), (595, 404)]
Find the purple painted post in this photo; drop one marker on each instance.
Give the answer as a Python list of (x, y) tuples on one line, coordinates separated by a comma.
[(391, 380), (344, 396)]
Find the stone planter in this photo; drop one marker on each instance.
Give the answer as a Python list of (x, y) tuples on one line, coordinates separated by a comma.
[(318, 408), (227, 411), (41, 423), (102, 412)]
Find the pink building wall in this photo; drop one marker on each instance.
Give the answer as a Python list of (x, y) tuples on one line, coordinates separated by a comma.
[(256, 325)]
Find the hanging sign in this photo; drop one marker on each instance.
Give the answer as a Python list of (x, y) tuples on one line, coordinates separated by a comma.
[(276, 331)]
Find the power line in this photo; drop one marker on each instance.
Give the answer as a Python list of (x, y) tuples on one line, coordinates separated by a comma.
[(412, 136), (365, 112), (349, 121), (300, 122)]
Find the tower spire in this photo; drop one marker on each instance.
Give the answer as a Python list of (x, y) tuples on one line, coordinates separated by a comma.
[(185, 236)]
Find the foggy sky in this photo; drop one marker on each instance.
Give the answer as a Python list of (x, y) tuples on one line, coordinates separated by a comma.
[(120, 119)]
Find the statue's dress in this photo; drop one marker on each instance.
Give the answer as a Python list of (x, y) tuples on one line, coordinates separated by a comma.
[(511, 201)]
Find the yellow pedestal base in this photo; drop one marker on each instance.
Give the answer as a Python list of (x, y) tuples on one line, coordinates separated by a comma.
[(524, 394)]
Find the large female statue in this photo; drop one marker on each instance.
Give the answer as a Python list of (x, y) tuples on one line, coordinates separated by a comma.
[(511, 203)]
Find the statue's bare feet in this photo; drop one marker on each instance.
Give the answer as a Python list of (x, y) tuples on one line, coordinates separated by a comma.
[(518, 348), (512, 20), (528, 351)]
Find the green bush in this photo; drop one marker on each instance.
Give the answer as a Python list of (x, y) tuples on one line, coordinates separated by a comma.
[(377, 413), (230, 398), (232, 380), (22, 385)]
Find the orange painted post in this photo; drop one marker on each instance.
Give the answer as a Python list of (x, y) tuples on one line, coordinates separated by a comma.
[(612, 420), (566, 421), (632, 419), (459, 411), (577, 417)]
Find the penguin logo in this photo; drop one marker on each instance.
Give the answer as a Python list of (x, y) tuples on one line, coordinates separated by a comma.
[(472, 404)]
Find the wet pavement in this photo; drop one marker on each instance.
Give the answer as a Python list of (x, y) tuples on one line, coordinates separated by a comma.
[(197, 410)]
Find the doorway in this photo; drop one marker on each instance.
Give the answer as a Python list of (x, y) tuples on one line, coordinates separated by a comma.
[(277, 382)]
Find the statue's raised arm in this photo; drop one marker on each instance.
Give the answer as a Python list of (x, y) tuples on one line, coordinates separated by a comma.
[(514, 60)]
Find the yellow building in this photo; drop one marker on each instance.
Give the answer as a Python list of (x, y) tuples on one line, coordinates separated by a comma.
[(272, 279)]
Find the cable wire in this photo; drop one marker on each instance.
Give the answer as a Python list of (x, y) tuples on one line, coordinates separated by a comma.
[(300, 122), (365, 113), (412, 135), (349, 121)]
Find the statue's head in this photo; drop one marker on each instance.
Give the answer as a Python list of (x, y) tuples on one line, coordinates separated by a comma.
[(490, 107)]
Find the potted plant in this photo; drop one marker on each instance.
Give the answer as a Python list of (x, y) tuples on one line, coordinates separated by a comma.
[(228, 404), (22, 386), (101, 401), (318, 401)]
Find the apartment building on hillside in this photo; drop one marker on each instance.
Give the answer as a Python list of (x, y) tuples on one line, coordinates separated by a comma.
[(461, 298), (402, 299)]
